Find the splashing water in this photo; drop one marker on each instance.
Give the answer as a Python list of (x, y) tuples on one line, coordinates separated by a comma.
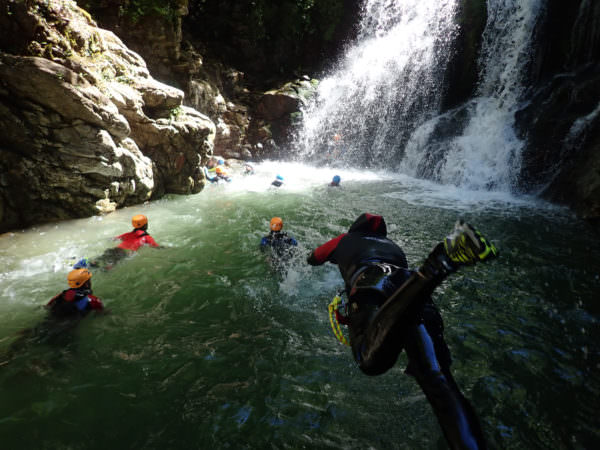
[(205, 344), (381, 106), (384, 85)]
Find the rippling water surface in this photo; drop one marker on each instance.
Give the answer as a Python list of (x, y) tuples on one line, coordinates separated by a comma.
[(204, 345)]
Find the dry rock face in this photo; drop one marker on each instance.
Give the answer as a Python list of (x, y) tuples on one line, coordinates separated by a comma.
[(84, 128)]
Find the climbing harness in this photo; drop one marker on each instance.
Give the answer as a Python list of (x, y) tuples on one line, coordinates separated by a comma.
[(333, 307)]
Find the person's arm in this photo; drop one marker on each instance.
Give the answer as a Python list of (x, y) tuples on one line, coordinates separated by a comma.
[(150, 241), (264, 242), (322, 253), (53, 299), (95, 303)]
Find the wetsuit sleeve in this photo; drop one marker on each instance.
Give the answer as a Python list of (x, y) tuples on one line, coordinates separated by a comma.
[(95, 303), (263, 242), (292, 241), (150, 241), (322, 253), (53, 299)]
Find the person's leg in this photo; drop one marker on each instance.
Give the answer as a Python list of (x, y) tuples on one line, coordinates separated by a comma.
[(109, 258), (371, 361), (429, 362), (465, 246), (376, 342), (375, 322)]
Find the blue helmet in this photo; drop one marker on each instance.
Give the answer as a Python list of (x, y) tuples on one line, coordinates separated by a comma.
[(337, 179), (279, 177), (220, 161)]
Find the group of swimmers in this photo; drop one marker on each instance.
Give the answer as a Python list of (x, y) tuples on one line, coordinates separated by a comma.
[(78, 300), (216, 171), (388, 307)]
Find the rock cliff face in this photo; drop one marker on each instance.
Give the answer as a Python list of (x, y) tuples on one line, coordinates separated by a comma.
[(84, 128), (561, 123), (196, 44)]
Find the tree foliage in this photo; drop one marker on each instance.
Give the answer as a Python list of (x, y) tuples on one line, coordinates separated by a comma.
[(283, 34)]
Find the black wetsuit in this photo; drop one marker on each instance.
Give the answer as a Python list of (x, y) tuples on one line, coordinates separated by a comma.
[(374, 268), (282, 247)]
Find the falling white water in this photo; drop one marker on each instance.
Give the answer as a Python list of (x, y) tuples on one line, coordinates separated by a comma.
[(486, 155), (388, 79), (383, 100)]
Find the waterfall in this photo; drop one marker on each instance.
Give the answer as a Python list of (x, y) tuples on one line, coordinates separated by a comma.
[(384, 85), (485, 154), (384, 98)]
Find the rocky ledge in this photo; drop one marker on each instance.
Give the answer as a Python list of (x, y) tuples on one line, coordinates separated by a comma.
[(84, 128)]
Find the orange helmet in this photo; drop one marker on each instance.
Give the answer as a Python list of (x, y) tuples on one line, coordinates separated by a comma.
[(139, 221), (276, 224), (78, 277)]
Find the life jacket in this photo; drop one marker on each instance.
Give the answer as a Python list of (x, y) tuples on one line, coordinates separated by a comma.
[(135, 239)]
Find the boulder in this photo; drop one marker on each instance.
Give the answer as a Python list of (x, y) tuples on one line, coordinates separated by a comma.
[(84, 128), (289, 98), (560, 126)]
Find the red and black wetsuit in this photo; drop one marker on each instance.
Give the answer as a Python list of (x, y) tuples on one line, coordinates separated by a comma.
[(74, 303), (135, 239), (374, 268), (365, 244)]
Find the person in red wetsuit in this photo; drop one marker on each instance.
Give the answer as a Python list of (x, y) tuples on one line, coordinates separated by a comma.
[(78, 300), (139, 236), (130, 242), (390, 309)]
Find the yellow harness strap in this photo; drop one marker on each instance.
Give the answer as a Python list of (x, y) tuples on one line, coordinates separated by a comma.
[(335, 325)]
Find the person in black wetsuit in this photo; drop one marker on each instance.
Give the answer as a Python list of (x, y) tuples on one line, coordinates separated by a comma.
[(279, 242), (278, 181), (390, 309)]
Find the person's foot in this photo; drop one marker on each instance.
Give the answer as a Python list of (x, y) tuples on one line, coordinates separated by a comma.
[(467, 246)]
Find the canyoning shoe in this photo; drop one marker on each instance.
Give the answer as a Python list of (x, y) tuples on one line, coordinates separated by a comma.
[(466, 245)]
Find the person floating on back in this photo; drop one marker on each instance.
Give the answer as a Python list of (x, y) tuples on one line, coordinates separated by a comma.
[(77, 301), (390, 309), (279, 242), (335, 182), (278, 181)]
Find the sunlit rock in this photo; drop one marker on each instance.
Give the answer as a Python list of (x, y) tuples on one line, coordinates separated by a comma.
[(84, 126)]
